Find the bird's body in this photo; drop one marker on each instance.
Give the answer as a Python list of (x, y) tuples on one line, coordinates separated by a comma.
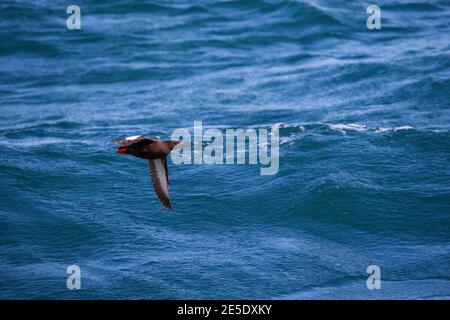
[(155, 151)]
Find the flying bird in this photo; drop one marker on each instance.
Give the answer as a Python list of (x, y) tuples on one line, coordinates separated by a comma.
[(155, 152)]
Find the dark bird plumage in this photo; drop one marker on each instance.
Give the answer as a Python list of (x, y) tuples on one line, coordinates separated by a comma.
[(155, 152)]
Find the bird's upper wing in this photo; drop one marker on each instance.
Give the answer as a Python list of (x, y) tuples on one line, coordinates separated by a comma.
[(160, 180), (133, 140)]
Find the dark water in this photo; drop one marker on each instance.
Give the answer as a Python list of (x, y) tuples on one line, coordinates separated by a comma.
[(364, 156)]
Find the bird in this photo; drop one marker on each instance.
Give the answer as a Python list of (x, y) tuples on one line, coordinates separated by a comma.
[(155, 152)]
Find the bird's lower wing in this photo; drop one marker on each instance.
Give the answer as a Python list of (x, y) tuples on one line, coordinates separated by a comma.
[(160, 180), (167, 171)]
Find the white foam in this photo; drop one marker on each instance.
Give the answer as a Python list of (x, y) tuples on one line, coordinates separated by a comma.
[(395, 129), (403, 128), (360, 128), (350, 126)]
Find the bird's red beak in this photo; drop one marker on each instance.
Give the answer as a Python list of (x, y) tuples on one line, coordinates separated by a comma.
[(122, 150)]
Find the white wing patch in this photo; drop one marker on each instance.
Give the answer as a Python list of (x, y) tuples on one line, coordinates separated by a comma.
[(133, 137), (159, 181)]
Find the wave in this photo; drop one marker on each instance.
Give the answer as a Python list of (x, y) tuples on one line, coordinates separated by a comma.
[(311, 135), (341, 127), (361, 128)]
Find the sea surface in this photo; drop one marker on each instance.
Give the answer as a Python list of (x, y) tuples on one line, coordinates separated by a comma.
[(364, 175)]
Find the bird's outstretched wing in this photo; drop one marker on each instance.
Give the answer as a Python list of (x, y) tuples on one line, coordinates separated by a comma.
[(160, 180), (133, 140)]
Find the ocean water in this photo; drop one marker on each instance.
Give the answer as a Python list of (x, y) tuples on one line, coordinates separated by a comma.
[(364, 175)]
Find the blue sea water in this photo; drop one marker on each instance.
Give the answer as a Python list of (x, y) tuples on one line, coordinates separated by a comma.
[(364, 174)]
